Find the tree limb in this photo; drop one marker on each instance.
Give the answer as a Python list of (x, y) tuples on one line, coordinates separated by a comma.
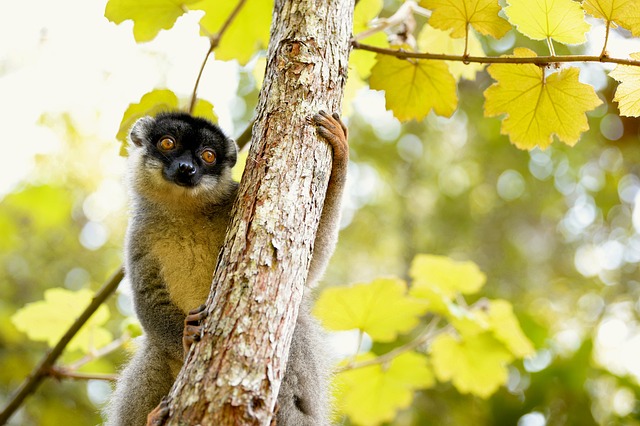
[(43, 369)]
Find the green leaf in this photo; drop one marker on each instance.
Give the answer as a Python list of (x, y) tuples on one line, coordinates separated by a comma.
[(475, 365), (148, 16), (150, 104), (48, 320), (248, 32), (457, 15), (381, 308), (414, 87), (538, 105), (373, 395), (446, 275), (506, 328), (559, 20)]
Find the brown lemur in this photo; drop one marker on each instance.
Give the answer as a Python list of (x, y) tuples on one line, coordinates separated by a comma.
[(181, 190)]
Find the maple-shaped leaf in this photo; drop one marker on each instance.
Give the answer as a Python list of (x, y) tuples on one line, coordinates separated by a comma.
[(48, 319), (476, 364), (433, 40), (560, 20), (414, 87), (625, 13), (628, 91), (360, 60), (456, 15), (382, 308), (248, 32), (373, 395), (506, 328), (449, 276), (538, 105), (148, 16)]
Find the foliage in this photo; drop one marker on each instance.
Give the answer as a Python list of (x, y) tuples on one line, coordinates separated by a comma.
[(555, 231)]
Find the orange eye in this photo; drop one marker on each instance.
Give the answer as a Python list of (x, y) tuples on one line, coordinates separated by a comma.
[(208, 156), (166, 143)]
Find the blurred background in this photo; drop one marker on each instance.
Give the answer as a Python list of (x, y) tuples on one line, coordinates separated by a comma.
[(557, 232)]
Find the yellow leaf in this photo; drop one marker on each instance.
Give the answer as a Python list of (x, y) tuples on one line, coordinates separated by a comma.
[(433, 40), (359, 60), (414, 87), (49, 319), (238, 169), (539, 106), (373, 395), (457, 14), (248, 32), (150, 104), (625, 13), (560, 20), (476, 365), (446, 275), (506, 328), (381, 308), (204, 109), (148, 16), (628, 91)]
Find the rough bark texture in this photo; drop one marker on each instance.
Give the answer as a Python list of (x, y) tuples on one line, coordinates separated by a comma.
[(234, 373)]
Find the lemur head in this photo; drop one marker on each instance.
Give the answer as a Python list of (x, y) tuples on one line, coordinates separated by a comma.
[(178, 158)]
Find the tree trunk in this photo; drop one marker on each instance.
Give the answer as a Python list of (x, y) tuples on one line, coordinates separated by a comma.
[(234, 374)]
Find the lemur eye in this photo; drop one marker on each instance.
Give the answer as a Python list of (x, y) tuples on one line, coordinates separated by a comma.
[(208, 156), (166, 143)]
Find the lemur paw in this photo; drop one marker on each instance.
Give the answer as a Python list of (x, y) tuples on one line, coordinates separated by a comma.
[(335, 132), (192, 327), (159, 415)]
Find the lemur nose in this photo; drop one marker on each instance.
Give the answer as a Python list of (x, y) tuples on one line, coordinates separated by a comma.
[(187, 169)]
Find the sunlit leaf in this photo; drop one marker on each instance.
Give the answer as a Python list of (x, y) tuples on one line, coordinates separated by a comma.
[(456, 15), (476, 365), (238, 169), (560, 20), (204, 109), (625, 13), (382, 308), (148, 16), (433, 40), (539, 106), (506, 328), (445, 274), (628, 91), (49, 319), (150, 104), (360, 60), (248, 32), (414, 87), (373, 395)]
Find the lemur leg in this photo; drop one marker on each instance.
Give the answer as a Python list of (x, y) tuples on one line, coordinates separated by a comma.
[(191, 333)]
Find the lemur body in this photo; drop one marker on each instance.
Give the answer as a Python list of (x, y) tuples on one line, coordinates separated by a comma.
[(182, 194)]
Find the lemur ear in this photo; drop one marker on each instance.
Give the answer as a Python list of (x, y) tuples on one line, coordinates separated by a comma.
[(232, 152), (139, 131)]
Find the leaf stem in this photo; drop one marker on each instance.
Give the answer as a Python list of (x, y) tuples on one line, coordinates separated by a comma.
[(603, 54), (552, 50), (538, 60), (43, 369)]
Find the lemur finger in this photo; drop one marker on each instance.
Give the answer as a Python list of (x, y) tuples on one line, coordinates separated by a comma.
[(336, 116)]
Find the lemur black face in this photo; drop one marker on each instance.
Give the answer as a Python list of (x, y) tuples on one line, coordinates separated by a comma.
[(188, 147)]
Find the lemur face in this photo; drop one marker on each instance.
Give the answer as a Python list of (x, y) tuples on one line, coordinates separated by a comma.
[(187, 149)]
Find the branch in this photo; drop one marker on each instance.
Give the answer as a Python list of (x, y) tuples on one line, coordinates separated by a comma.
[(537, 60), (215, 41), (43, 369), (64, 373), (427, 334), (245, 137)]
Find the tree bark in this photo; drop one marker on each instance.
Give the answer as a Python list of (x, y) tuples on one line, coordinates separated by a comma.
[(233, 375)]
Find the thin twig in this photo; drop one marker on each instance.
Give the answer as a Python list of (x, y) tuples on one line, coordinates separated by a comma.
[(64, 373), (245, 137), (99, 353), (427, 334), (43, 369), (538, 60), (214, 43)]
